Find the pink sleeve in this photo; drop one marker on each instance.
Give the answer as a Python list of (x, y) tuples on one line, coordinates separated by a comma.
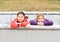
[(13, 24), (24, 24)]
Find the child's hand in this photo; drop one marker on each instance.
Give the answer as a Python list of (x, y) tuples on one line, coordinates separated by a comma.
[(40, 23)]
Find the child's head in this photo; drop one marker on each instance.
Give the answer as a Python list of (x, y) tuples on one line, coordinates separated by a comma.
[(40, 18), (21, 16)]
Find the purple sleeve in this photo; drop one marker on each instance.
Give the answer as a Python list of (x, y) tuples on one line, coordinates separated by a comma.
[(48, 23), (33, 22)]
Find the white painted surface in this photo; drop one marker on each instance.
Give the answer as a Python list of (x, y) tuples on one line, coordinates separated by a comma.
[(29, 36)]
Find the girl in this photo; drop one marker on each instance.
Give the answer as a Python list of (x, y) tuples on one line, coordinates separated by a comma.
[(20, 21), (41, 21)]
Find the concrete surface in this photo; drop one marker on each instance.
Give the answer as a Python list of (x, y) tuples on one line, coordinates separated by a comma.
[(29, 36)]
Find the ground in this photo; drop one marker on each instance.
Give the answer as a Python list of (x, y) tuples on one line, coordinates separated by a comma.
[(30, 5)]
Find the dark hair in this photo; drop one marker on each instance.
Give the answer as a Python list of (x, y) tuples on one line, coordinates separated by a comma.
[(21, 13)]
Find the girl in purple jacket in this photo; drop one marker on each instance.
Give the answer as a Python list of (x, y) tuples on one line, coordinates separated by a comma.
[(41, 21)]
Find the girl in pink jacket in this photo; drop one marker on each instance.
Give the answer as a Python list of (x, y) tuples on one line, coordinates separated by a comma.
[(20, 21)]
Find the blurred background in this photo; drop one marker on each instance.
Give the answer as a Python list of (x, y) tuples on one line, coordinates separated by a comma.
[(30, 5)]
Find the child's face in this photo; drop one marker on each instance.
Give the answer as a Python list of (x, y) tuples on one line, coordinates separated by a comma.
[(40, 19), (20, 17)]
